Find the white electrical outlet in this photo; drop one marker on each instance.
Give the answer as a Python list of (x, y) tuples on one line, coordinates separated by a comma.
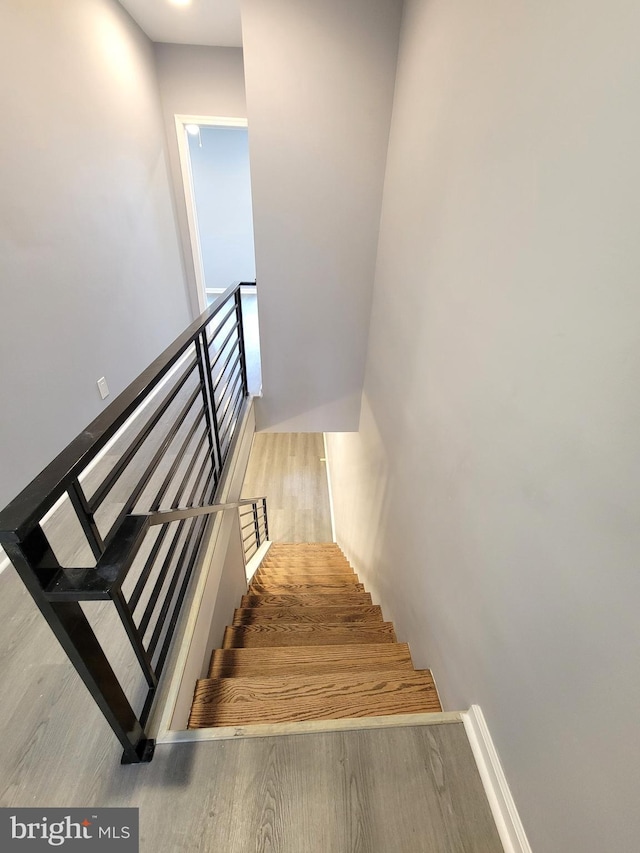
[(103, 388)]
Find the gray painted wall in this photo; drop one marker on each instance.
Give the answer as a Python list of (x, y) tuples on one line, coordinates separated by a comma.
[(222, 190), (491, 497), (91, 281), (319, 80), (201, 81)]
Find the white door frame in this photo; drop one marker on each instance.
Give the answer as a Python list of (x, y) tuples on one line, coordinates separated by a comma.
[(189, 195)]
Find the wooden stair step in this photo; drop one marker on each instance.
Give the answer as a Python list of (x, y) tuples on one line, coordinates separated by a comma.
[(279, 699), (306, 600), (268, 588), (317, 615), (304, 547), (305, 634), (310, 660), (307, 556), (317, 568), (301, 576)]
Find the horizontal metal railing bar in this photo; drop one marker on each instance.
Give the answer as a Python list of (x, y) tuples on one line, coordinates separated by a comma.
[(151, 468), (234, 349), (221, 324), (223, 346), (135, 596), (234, 407), (186, 477), (229, 391), (110, 571), (164, 488), (164, 649), (24, 512), (157, 632), (166, 515), (225, 442), (157, 588), (118, 469)]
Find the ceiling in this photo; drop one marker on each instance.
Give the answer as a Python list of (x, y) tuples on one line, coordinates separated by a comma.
[(211, 22)]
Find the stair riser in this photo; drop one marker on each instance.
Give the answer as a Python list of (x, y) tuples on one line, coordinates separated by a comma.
[(306, 635), (310, 660)]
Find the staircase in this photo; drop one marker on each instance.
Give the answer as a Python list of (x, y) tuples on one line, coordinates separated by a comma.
[(307, 643)]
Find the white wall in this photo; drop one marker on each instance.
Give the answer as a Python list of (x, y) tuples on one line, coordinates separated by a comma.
[(91, 282), (491, 497), (200, 81), (222, 190), (319, 78)]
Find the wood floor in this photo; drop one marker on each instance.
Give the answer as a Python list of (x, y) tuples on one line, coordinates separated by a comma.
[(289, 469), (401, 790), (358, 678)]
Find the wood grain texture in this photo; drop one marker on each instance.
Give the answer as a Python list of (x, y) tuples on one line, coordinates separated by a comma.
[(305, 600), (330, 588), (285, 634), (279, 576), (318, 566), (288, 469), (400, 790), (311, 660), (278, 699), (318, 615), (306, 547)]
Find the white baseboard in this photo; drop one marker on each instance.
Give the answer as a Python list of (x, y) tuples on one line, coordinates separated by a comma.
[(4, 561), (331, 512), (503, 807)]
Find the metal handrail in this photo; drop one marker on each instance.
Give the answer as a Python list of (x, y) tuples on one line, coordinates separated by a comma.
[(165, 516), (195, 427)]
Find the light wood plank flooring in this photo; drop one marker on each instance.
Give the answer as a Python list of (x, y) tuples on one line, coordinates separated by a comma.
[(288, 468), (404, 790)]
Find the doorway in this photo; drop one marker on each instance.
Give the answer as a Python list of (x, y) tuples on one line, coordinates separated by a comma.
[(214, 154)]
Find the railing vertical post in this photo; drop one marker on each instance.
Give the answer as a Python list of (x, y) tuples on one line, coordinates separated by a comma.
[(86, 519), (34, 561), (214, 413), (207, 403), (266, 522), (255, 522), (243, 354)]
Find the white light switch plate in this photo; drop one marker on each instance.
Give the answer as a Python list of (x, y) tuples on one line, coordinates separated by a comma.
[(103, 388)]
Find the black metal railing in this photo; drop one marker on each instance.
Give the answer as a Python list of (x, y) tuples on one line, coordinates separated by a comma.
[(254, 525), (254, 509), (81, 531)]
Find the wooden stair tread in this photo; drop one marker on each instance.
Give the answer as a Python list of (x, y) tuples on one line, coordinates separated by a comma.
[(306, 546), (305, 599), (344, 613), (307, 643), (270, 588), (278, 699), (304, 577), (310, 559), (309, 568), (312, 660), (305, 634)]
